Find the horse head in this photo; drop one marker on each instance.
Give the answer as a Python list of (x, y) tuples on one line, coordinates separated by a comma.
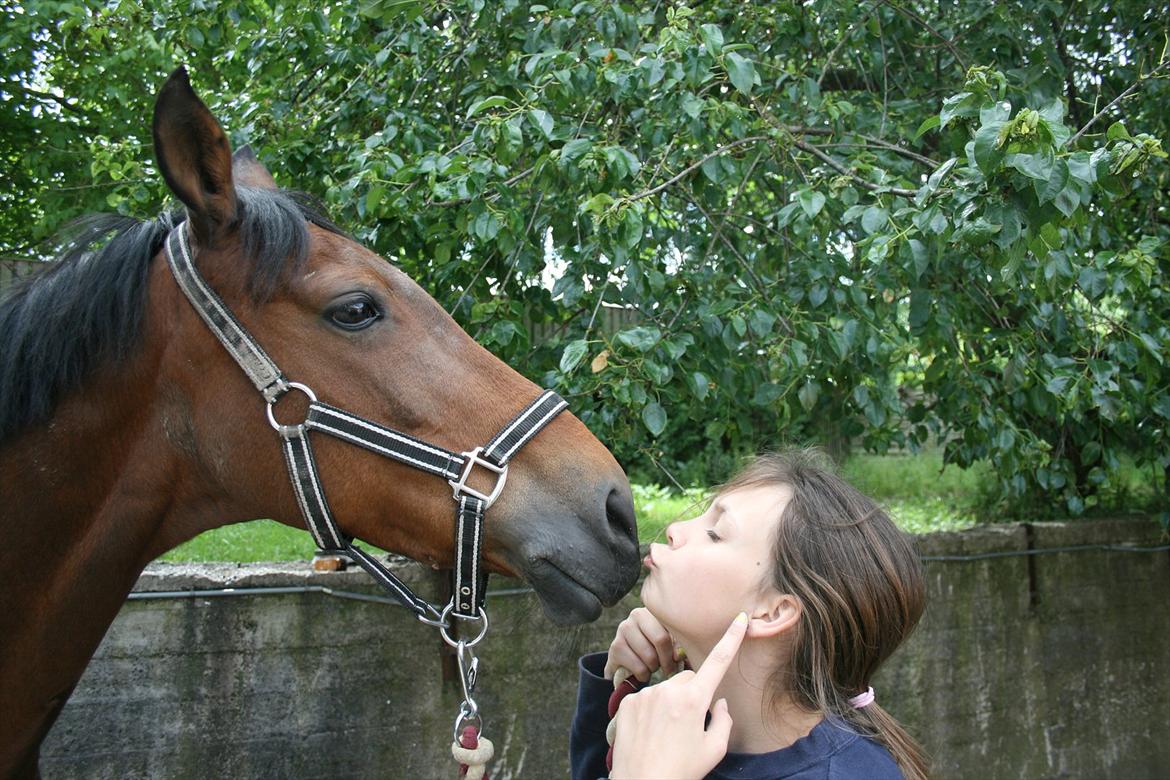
[(366, 338)]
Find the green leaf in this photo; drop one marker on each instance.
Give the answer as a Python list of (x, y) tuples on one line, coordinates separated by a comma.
[(920, 255), (874, 219), (962, 104), (811, 201), (658, 373), (1081, 167), (486, 226), (621, 162), (996, 112), (861, 395), (1048, 190), (692, 105), (929, 123), (1152, 346), (975, 233), (495, 101), (641, 338), (1050, 233), (712, 38), (761, 322), (940, 173), (742, 72), (808, 394), (767, 393), (543, 120), (1034, 166), (597, 204), (631, 228), (1054, 111), (700, 385), (1091, 453), (1117, 132), (987, 143), (654, 418), (374, 197), (852, 213), (503, 332), (574, 351), (575, 149), (920, 305)]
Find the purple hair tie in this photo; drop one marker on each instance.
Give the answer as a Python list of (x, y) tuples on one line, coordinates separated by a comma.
[(862, 699)]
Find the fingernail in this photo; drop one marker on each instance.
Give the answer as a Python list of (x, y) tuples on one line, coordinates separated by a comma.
[(741, 618)]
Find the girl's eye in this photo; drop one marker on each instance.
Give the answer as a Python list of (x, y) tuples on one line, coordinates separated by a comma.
[(713, 536), (355, 313)]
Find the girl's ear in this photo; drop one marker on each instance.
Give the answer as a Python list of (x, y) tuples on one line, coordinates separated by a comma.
[(776, 614)]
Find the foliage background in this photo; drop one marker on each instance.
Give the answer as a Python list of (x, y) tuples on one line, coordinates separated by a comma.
[(882, 225)]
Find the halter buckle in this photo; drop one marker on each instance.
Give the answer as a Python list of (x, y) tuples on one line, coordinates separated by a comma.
[(460, 485)]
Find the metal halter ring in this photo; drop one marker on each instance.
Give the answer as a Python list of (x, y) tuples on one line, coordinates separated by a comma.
[(290, 431), (467, 716), (456, 642)]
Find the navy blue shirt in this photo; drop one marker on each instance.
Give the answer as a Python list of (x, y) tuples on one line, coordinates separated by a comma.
[(831, 751)]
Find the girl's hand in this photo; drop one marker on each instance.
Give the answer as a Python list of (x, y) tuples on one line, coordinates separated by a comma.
[(641, 646), (660, 730)]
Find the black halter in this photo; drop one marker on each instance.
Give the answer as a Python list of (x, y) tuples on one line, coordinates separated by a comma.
[(469, 580)]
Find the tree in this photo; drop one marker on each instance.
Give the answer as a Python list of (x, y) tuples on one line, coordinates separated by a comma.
[(880, 223)]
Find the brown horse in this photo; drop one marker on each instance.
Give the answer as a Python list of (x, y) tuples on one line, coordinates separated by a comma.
[(126, 429)]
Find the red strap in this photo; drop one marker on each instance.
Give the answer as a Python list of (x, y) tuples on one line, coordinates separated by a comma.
[(629, 685)]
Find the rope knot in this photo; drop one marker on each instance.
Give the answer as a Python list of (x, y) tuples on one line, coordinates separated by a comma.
[(473, 753)]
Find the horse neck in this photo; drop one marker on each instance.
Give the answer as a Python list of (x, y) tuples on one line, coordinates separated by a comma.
[(89, 499)]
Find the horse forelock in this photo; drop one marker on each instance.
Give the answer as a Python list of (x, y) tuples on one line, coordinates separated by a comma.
[(86, 308)]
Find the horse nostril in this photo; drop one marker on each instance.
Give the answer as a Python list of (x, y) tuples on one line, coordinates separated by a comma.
[(619, 511)]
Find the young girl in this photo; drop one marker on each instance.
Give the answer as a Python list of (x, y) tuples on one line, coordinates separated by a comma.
[(818, 587)]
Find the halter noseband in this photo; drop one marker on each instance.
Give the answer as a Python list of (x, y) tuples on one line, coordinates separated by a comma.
[(469, 580)]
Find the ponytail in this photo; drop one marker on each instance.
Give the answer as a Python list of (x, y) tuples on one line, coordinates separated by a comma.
[(874, 722)]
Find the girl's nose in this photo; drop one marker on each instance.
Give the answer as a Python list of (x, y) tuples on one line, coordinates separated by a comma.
[(672, 535)]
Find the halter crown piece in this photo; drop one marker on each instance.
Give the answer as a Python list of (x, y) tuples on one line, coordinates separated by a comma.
[(469, 580)]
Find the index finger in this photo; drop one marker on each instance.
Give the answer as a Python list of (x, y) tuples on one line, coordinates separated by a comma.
[(719, 660)]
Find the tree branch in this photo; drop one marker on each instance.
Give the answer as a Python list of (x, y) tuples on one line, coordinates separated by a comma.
[(1128, 91), (839, 168), (691, 168), (925, 24), (840, 43)]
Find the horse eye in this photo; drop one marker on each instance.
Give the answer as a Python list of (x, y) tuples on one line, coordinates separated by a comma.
[(355, 314)]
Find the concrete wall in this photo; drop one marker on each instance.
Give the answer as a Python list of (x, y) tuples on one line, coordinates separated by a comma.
[(1054, 665)]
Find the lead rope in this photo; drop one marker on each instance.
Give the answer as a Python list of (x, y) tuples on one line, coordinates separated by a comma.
[(624, 684)]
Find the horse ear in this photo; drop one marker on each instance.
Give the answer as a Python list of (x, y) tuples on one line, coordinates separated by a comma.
[(194, 157), (249, 171)]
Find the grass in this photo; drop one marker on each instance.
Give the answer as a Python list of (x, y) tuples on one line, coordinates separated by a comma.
[(917, 491)]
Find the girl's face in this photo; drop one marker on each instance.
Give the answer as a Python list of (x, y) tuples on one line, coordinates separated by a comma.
[(714, 566)]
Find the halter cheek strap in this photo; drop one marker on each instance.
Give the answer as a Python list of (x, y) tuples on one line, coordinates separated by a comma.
[(469, 578)]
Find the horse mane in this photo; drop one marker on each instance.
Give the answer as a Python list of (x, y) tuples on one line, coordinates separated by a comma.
[(86, 309)]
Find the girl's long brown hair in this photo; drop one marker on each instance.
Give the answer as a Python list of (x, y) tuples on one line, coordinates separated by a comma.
[(861, 590)]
